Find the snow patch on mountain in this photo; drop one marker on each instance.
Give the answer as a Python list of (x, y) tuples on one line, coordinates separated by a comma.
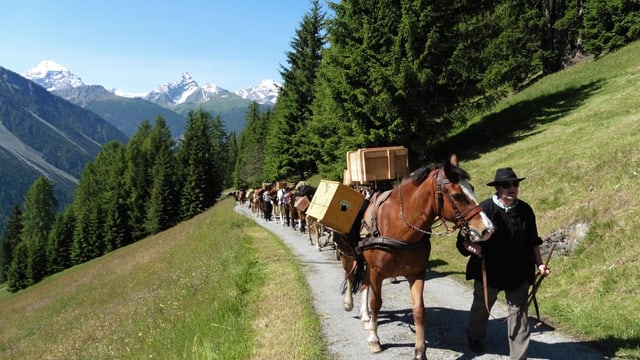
[(53, 76), (266, 92)]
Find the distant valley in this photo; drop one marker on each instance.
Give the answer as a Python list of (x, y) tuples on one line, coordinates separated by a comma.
[(52, 124)]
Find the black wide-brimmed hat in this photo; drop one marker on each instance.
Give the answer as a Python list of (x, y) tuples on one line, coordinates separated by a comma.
[(504, 175)]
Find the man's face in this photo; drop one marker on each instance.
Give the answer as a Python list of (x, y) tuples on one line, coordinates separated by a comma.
[(508, 191)]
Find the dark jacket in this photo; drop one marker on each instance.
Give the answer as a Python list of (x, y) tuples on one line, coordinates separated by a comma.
[(509, 252)]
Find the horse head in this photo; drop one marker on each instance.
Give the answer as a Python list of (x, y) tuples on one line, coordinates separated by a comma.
[(457, 202)]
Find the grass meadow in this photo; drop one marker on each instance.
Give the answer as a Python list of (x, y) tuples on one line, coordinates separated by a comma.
[(201, 290), (575, 136), (205, 288)]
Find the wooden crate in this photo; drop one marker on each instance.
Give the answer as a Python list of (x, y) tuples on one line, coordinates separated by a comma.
[(378, 164), (335, 205), (302, 203), (354, 168), (346, 177)]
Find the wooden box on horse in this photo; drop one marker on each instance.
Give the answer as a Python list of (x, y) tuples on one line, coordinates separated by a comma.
[(302, 203), (335, 205), (378, 164)]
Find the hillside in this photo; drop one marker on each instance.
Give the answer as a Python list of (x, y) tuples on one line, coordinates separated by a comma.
[(124, 113), (44, 135), (573, 135)]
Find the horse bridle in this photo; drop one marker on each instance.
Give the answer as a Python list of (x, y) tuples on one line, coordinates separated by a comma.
[(462, 217)]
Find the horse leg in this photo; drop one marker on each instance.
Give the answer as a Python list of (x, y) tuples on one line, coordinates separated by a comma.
[(417, 287), (375, 302), (349, 265), (364, 307)]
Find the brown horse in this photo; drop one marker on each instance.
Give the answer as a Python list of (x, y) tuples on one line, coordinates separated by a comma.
[(395, 239)]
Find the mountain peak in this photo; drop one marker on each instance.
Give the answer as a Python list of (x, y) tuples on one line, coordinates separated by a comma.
[(53, 76), (266, 92)]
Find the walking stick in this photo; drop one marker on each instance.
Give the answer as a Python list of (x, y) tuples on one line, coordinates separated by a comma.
[(536, 286)]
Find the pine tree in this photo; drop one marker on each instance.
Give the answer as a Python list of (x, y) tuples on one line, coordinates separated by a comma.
[(9, 241), (38, 217), (18, 271), (289, 151), (220, 155), (138, 179), (248, 169), (111, 166), (60, 242), (609, 25), (163, 208), (232, 145), (87, 234), (197, 162)]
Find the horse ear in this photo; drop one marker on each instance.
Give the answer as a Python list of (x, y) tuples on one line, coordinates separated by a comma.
[(453, 160), (449, 167)]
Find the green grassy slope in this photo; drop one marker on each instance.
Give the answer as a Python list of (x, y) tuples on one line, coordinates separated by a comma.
[(198, 290), (575, 136), (201, 290)]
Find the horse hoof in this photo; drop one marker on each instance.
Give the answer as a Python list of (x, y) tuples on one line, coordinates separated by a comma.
[(347, 307), (374, 347)]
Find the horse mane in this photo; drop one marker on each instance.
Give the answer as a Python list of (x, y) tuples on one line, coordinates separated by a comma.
[(420, 175)]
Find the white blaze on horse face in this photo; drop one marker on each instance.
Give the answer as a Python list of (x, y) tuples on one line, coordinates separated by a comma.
[(468, 190)]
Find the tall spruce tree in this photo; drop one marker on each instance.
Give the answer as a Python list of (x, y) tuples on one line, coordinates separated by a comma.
[(87, 233), (60, 241), (163, 209), (10, 239), (408, 72), (138, 179), (232, 145), (288, 149), (197, 161), (18, 271), (609, 25), (248, 169), (38, 217), (111, 167), (220, 152)]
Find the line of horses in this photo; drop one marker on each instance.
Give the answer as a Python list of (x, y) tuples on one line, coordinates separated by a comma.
[(282, 203), (391, 238)]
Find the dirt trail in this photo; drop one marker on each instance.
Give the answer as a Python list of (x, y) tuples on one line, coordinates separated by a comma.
[(447, 302)]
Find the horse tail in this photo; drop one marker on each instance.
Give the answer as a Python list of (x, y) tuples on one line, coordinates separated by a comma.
[(358, 273)]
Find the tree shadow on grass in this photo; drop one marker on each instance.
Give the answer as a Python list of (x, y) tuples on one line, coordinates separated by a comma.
[(515, 122)]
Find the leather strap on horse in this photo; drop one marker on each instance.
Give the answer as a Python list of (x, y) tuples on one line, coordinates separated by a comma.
[(383, 242)]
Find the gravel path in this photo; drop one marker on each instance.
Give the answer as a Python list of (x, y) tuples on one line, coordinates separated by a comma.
[(447, 302)]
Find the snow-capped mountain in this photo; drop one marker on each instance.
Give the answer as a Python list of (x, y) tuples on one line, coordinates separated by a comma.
[(53, 76), (264, 93), (185, 89)]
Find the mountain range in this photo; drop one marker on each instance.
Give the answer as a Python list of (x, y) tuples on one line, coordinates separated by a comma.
[(44, 135), (52, 124), (172, 101)]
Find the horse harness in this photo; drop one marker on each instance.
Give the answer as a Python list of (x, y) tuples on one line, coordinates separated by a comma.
[(369, 226)]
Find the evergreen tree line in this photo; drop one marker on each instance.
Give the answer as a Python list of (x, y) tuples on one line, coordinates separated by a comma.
[(129, 192), (411, 72), (377, 73)]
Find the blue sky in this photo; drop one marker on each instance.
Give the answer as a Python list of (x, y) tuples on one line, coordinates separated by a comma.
[(134, 46)]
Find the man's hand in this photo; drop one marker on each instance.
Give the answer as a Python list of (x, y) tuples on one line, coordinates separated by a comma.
[(544, 270)]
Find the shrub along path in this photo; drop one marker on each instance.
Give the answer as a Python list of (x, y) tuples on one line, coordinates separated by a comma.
[(447, 302)]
